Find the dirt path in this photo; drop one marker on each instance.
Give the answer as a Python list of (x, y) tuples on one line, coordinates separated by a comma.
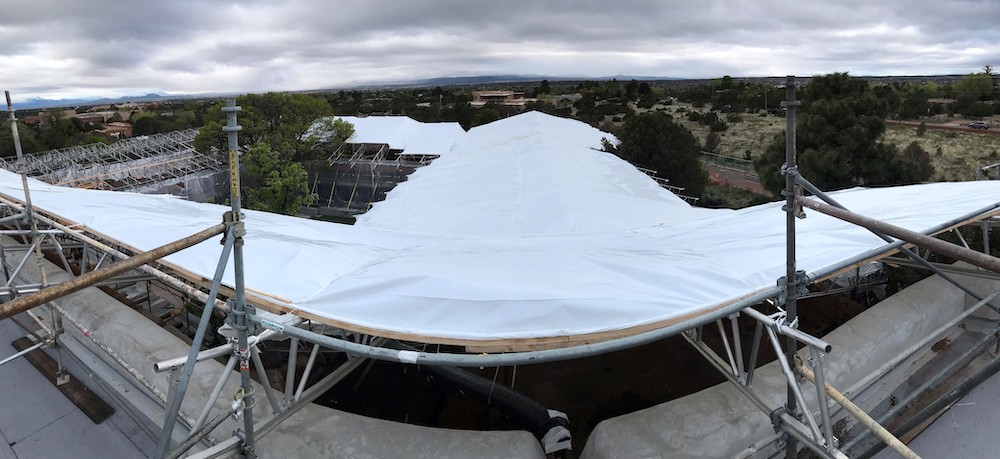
[(722, 176)]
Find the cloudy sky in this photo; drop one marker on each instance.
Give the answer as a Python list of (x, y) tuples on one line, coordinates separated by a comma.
[(70, 48)]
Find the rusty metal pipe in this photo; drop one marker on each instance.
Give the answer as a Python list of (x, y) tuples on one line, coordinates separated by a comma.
[(164, 277), (935, 245), (25, 303)]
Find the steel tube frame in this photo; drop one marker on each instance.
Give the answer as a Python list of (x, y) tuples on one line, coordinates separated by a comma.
[(792, 211), (265, 427), (24, 303), (793, 385), (214, 395), (951, 269), (522, 358), (940, 404), (858, 413), (936, 245), (824, 407), (238, 312), (529, 357), (307, 372), (935, 379), (788, 423), (264, 380), (132, 372), (879, 251), (106, 250), (293, 354), (163, 445), (27, 350), (893, 363), (905, 250), (210, 353)]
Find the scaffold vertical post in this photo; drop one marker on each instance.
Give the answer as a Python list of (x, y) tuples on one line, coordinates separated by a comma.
[(792, 211), (62, 377), (239, 309)]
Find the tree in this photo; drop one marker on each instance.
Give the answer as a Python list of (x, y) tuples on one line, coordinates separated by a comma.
[(915, 162), (712, 141), (653, 140), (327, 134), (272, 184), (544, 88), (914, 103), (277, 119), (29, 141), (839, 129), (970, 91), (486, 114), (146, 125), (57, 131)]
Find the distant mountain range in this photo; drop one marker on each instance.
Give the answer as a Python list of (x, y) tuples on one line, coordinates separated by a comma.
[(488, 79), (38, 103)]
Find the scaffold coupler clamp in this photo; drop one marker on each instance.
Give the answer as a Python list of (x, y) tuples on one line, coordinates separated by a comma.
[(776, 421), (801, 283), (783, 292), (239, 228), (798, 364), (801, 286), (796, 189)]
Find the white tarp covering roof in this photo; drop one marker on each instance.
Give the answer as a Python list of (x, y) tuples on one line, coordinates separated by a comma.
[(579, 276), (401, 133), (528, 174)]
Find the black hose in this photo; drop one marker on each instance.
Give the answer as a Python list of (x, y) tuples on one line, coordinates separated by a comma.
[(550, 427)]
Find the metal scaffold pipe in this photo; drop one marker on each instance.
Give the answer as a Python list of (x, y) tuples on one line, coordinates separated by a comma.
[(935, 245), (860, 414), (25, 303), (792, 212), (239, 312), (164, 277), (906, 251)]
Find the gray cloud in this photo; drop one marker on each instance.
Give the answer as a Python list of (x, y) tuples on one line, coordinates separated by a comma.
[(50, 48)]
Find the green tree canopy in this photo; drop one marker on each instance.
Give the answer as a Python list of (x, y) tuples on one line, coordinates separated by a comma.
[(839, 129), (327, 134), (29, 140), (272, 184), (655, 141), (277, 119)]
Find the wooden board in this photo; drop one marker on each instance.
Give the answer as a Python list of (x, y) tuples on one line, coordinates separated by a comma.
[(96, 409)]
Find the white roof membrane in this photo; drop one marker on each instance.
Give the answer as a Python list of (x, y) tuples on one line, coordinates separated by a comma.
[(639, 258), (528, 174), (401, 133)]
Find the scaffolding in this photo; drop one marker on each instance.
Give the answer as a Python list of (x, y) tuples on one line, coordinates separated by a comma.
[(665, 183), (94, 259), (127, 165), (362, 173)]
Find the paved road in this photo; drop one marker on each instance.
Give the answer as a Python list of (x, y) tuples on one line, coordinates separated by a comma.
[(946, 127)]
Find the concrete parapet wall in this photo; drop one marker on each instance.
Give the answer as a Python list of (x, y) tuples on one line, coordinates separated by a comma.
[(315, 431), (719, 422)]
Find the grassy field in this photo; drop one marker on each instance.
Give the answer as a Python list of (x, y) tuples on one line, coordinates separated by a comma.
[(955, 155), (751, 133)]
